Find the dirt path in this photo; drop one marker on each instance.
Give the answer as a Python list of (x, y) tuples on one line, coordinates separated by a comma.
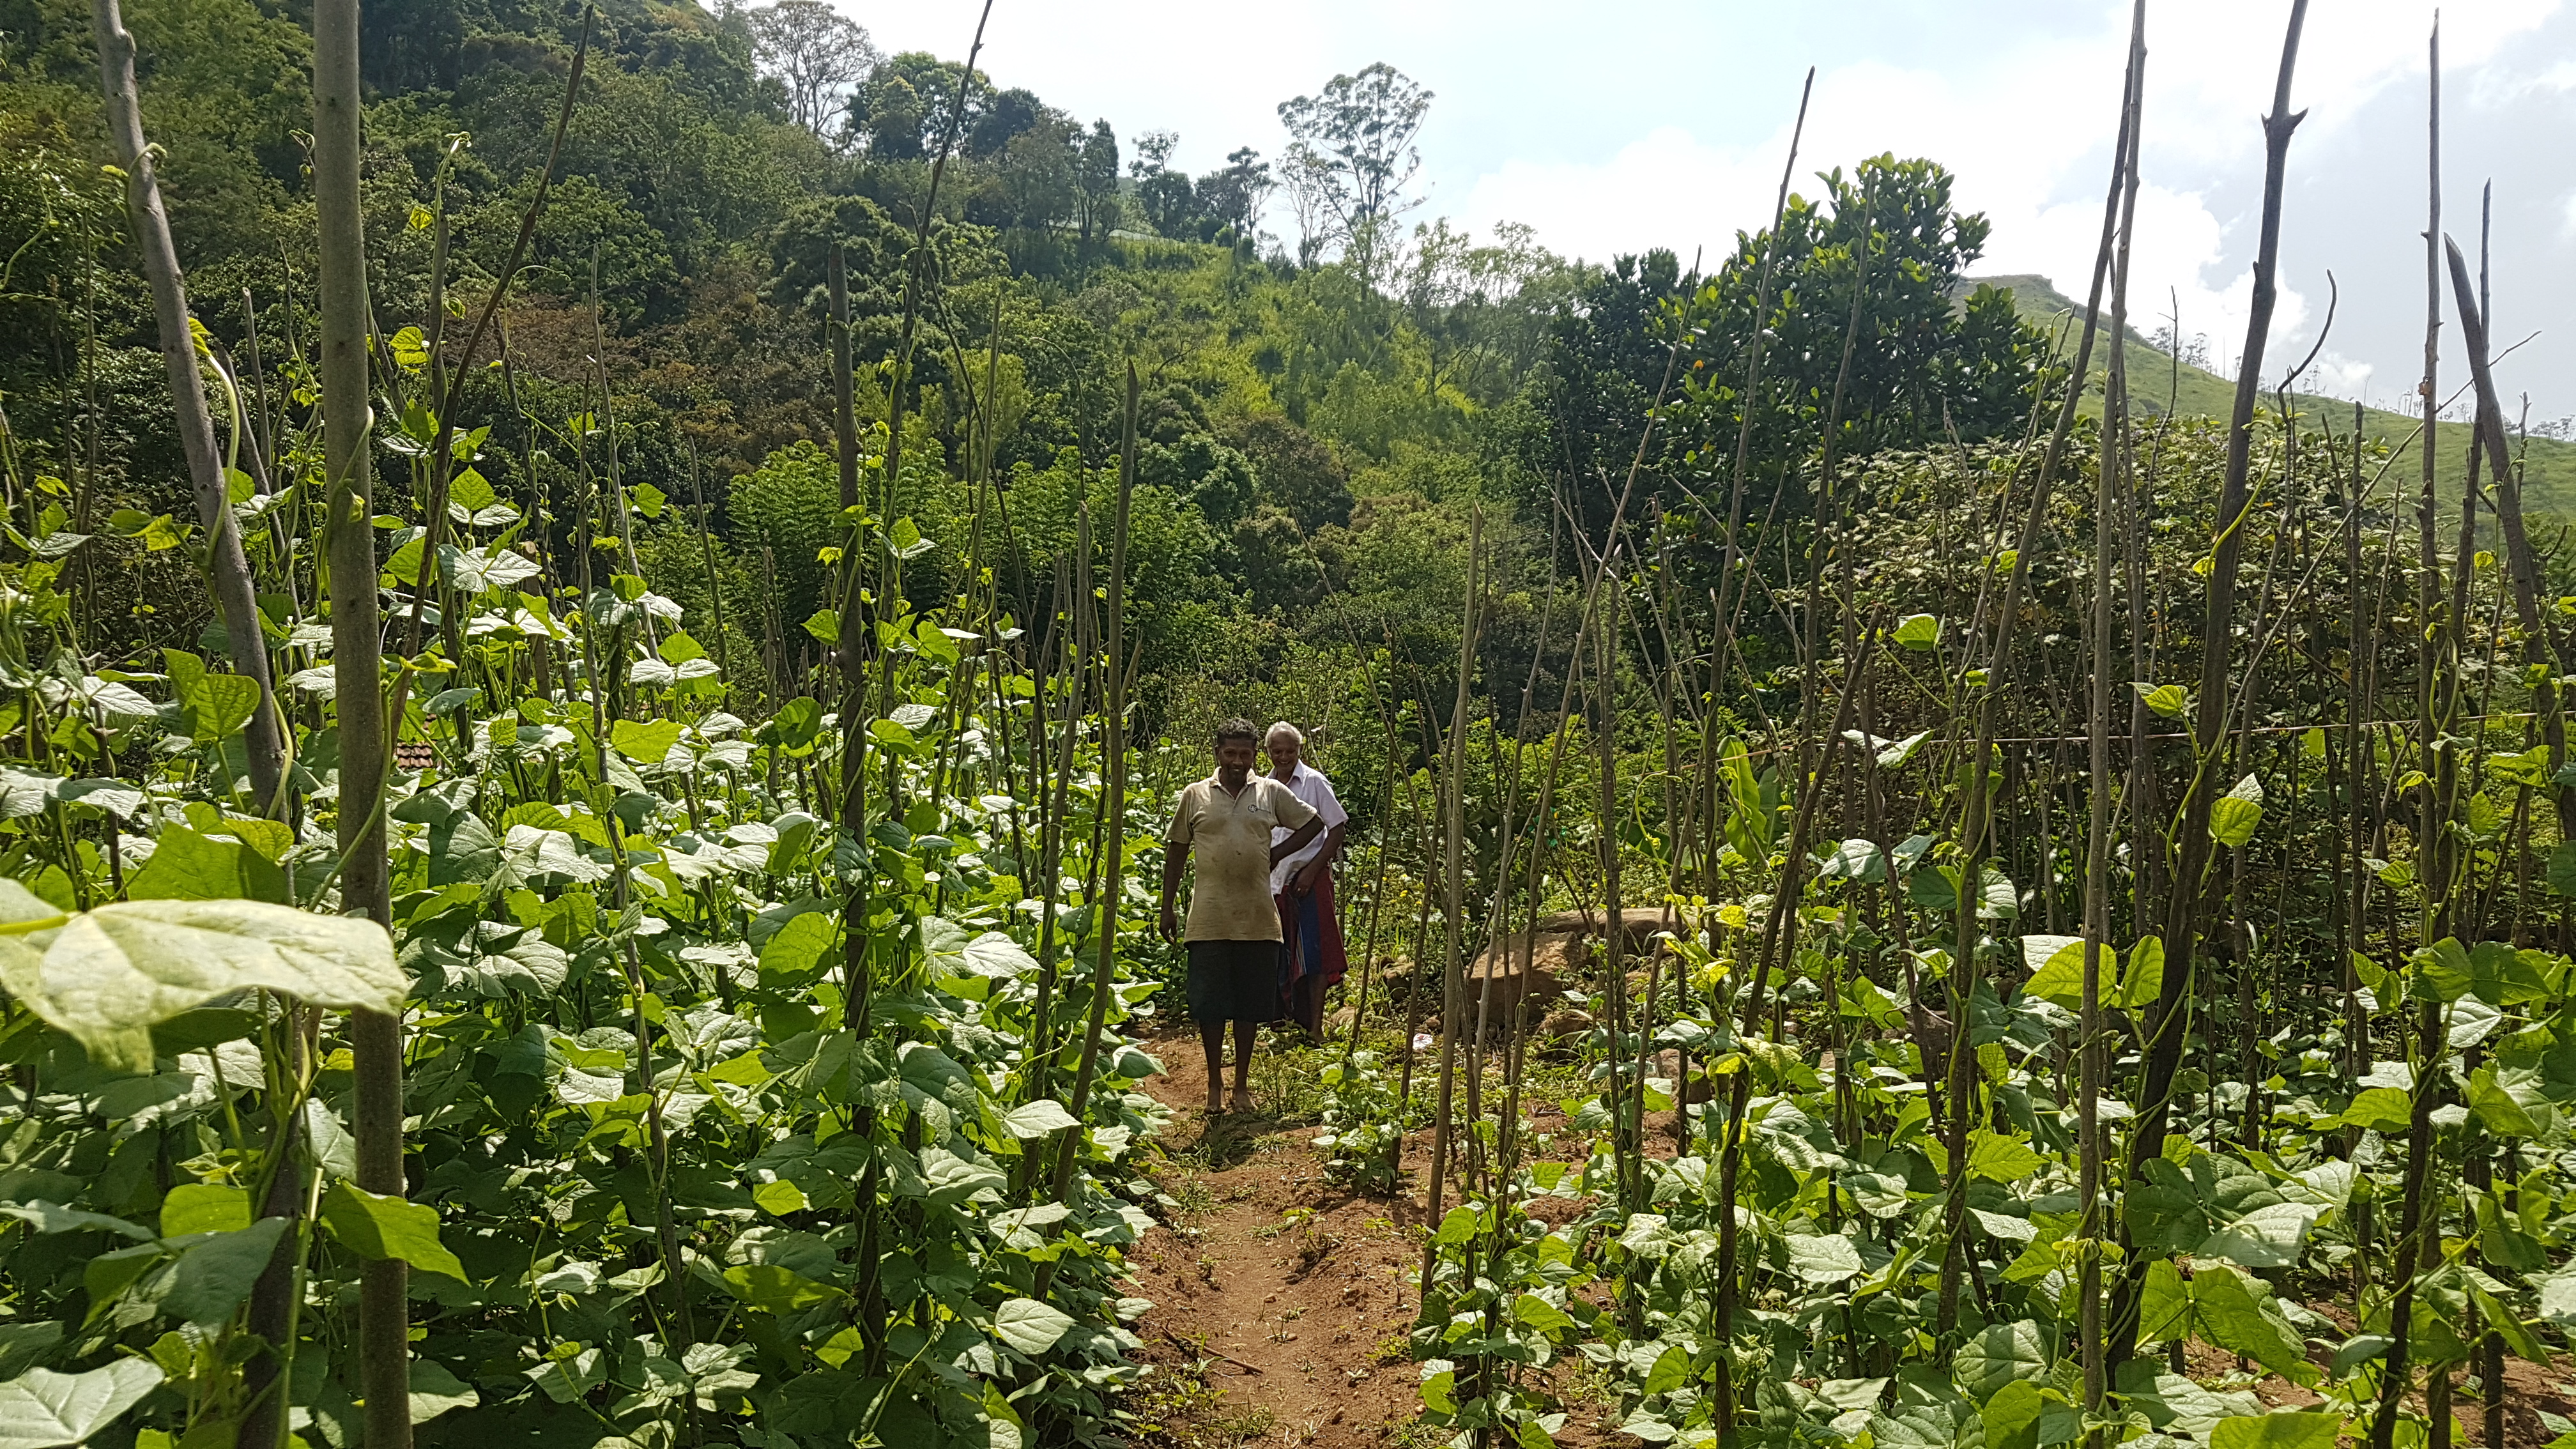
[(1281, 1300)]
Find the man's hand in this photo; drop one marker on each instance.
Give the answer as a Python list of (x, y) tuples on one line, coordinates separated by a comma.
[(1309, 876), (1176, 855)]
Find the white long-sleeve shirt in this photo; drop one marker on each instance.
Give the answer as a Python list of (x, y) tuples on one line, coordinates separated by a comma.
[(1309, 785)]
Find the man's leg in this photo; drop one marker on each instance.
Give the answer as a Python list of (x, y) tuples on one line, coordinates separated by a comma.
[(1331, 956), (1306, 999), (1212, 1037), (1244, 1034)]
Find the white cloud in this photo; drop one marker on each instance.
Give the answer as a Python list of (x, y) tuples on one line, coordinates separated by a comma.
[(1666, 185), (1562, 127), (2028, 135), (2336, 375), (2499, 86)]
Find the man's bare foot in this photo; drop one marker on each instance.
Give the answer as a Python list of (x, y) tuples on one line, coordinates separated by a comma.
[(1243, 1099)]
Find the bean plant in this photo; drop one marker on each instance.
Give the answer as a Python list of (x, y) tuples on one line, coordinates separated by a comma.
[(761, 1054), (2111, 979)]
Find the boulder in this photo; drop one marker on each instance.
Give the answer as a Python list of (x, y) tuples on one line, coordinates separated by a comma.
[(1566, 1025), (1638, 925), (1394, 976), (1523, 972)]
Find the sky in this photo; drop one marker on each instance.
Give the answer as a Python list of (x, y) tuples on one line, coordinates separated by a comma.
[(1613, 127)]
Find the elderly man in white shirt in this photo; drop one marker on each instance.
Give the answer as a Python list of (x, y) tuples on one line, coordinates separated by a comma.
[(1313, 958)]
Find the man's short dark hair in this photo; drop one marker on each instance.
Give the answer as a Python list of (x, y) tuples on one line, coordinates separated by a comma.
[(1237, 728)]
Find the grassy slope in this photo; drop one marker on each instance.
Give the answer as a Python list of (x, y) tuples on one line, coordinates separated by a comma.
[(2549, 468)]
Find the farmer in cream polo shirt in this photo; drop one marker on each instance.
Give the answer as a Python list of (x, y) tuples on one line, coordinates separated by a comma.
[(1233, 937)]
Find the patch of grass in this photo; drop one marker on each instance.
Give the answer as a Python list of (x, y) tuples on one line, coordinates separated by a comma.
[(1192, 1199), (1169, 1407), (1584, 1382), (1294, 1217), (1287, 1076), (1193, 1158), (1249, 1422), (1178, 1407), (1309, 1242), (1415, 1434), (1228, 1141)]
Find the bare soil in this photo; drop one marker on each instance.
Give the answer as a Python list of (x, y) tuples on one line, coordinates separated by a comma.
[(1282, 1300), (2529, 1389)]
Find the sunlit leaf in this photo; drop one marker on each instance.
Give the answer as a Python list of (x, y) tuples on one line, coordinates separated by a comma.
[(383, 1227), (2286, 1430), (109, 975), (41, 1409), (1030, 1326)]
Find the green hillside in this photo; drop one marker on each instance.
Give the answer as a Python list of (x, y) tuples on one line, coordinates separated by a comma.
[(2155, 382)]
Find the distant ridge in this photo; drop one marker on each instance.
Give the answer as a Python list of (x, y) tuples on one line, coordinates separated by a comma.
[(2157, 382)]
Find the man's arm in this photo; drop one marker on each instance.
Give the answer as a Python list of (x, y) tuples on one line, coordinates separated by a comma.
[(1313, 827), (1337, 826), (1312, 872), (1176, 856)]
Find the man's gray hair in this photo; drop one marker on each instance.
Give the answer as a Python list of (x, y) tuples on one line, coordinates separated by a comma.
[(1284, 728)]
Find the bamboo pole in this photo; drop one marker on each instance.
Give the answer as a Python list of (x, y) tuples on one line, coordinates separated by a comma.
[(2397, 1370), (2540, 640), (384, 1329), (1779, 942), (1120, 666), (1453, 832), (2111, 481), (1040, 1069), (707, 547), (851, 648), (2187, 907), (1975, 810), (1753, 364), (264, 735)]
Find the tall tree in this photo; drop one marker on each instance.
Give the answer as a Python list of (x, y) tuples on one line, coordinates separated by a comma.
[(1095, 183), (903, 109), (1030, 182), (1165, 196), (1006, 116), (1925, 361), (1362, 126), (1308, 177), (817, 53), (1233, 196)]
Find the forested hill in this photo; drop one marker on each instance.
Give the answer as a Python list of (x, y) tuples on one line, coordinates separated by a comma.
[(1320, 409), (2165, 375)]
